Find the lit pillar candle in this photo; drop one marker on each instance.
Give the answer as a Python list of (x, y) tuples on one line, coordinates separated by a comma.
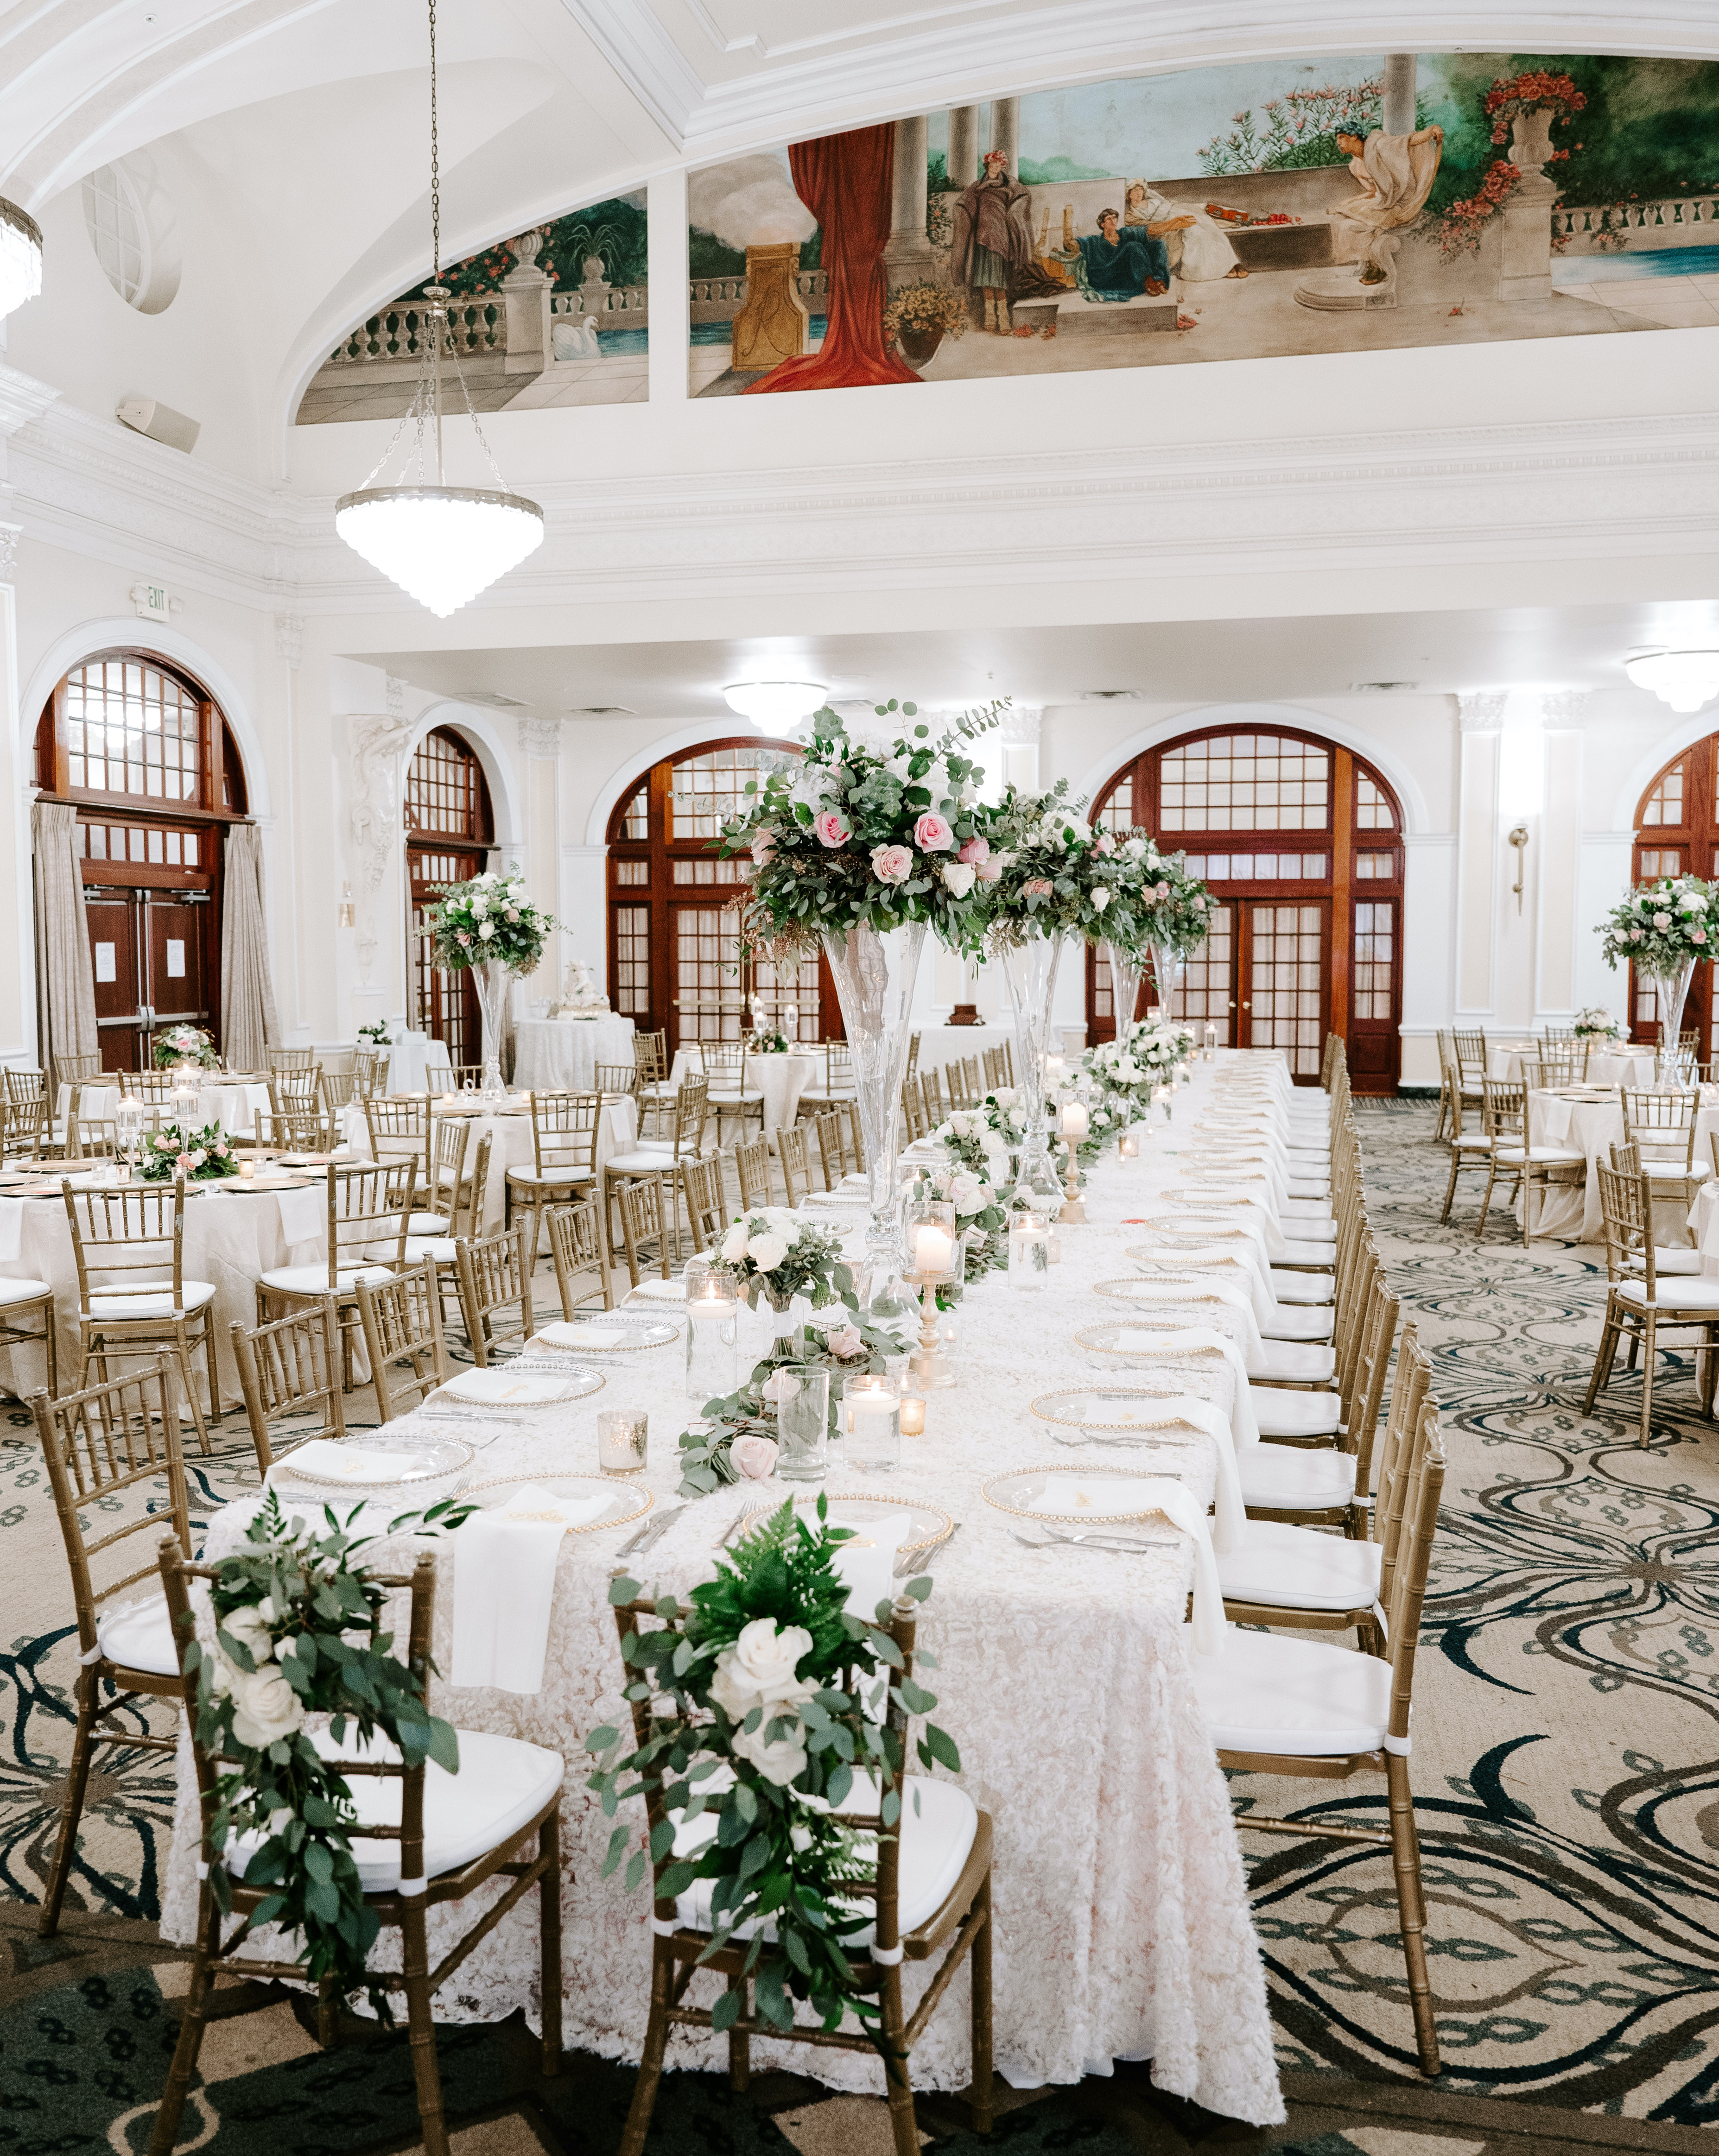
[(1077, 1123), (933, 1248)]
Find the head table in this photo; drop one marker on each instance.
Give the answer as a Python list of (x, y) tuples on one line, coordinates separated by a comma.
[(1123, 1923)]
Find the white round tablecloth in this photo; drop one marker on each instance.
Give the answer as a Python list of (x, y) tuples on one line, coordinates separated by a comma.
[(1593, 1128), (561, 1055), (781, 1078), (234, 1107), (409, 1061), (617, 1133), (1622, 1066)]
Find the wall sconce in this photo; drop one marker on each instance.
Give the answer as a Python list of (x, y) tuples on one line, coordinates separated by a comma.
[(346, 915), (1519, 839)]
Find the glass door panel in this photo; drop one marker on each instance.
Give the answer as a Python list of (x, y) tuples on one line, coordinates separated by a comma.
[(1285, 967), (1206, 993)]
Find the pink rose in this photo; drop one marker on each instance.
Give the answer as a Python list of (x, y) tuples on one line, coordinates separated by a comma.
[(1036, 887), (763, 847), (990, 871), (1104, 844), (892, 864), (1162, 892), (463, 937), (844, 1341), (1635, 935), (183, 1163), (1697, 935), (832, 827), (976, 850), (753, 1457), (932, 834)]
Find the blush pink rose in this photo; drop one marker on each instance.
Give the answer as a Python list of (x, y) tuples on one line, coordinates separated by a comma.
[(832, 827), (932, 834), (753, 1457), (1104, 844), (990, 871), (1697, 935), (1162, 892), (976, 850), (845, 1341), (892, 864), (1036, 887), (763, 847)]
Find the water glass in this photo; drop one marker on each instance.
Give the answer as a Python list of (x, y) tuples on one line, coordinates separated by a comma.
[(802, 1424), (872, 1426)]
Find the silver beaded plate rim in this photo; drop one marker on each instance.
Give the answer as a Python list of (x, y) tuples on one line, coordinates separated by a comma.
[(618, 1486), (929, 1512), (1044, 1407), (1065, 1474)]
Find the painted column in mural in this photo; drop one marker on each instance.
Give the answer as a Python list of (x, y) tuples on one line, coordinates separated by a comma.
[(1397, 105), (907, 258), (962, 164)]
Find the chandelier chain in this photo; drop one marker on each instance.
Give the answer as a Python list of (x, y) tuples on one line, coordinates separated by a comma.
[(436, 196)]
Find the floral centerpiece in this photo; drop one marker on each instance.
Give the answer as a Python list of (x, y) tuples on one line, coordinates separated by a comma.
[(184, 1044), (919, 317), (1665, 930), (376, 1033), (755, 1692), (204, 1156), (861, 846), (1596, 1023), (973, 1142), (1127, 1071), (488, 922), (981, 1211), (295, 1616), (734, 1440)]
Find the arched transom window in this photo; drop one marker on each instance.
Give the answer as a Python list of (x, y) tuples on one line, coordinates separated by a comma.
[(1677, 834), (449, 832)]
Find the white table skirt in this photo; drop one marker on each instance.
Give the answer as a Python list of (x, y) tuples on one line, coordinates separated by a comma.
[(617, 1133), (234, 1107), (1122, 1916), (561, 1055), (1592, 1127), (410, 1061)]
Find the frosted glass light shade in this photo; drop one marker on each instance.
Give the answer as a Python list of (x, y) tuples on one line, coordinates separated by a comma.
[(442, 544), (20, 257), (1684, 680), (775, 707)]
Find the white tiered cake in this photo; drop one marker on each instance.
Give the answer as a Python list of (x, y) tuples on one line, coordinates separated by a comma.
[(580, 996)]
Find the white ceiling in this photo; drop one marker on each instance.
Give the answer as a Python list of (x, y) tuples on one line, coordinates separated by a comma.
[(1237, 661)]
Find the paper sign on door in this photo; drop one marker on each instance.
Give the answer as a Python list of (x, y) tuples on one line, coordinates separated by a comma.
[(106, 970), (176, 961)]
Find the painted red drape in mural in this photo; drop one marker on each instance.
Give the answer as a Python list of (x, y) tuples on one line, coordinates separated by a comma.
[(844, 180)]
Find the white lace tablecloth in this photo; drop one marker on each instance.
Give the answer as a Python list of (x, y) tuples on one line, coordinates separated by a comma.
[(563, 1054), (234, 1107), (1122, 1929)]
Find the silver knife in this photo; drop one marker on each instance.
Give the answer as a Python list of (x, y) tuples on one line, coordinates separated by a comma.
[(922, 1560), (636, 1544)]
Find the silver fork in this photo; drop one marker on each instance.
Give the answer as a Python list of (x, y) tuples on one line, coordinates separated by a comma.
[(1087, 1539), (916, 1561), (1088, 1437), (637, 1543)]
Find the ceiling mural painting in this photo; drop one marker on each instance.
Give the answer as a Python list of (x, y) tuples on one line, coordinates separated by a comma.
[(557, 315), (1233, 212)]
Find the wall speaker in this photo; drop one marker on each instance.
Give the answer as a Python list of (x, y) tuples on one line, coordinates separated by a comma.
[(160, 422)]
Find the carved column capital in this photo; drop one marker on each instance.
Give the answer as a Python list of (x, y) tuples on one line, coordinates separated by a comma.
[(541, 738), (1566, 709), (1482, 711)]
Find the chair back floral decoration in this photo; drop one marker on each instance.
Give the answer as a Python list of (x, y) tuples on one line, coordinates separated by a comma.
[(298, 1632), (184, 1044), (755, 1701)]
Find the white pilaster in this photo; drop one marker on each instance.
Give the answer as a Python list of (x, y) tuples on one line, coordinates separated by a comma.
[(671, 318), (1480, 720)]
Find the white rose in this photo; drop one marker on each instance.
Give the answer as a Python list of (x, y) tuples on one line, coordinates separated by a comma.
[(759, 1669), (781, 1761), (1101, 898), (265, 1707), (967, 1191), (734, 1244), (480, 906), (767, 1252), (487, 930), (1662, 921), (250, 1629), (958, 877)]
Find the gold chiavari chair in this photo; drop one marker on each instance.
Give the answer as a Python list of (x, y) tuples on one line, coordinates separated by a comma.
[(399, 1128), (1661, 1125), (938, 1107), (296, 1092), (369, 1207), (727, 1080), (913, 1111), (617, 1080), (22, 1299), (564, 1169), (1640, 1305), (576, 1251), (494, 1275), (340, 1088), (650, 1065), (289, 1370), (465, 1202), (369, 1069), (445, 1189), (661, 1158), (850, 1113), (76, 1070), (1306, 1708), (642, 1226), (1470, 1150), (403, 1337), (1449, 1084), (294, 1130), (913, 1069), (1470, 1051), (827, 1125), (415, 1832), (31, 1125), (796, 1175), (836, 1082), (1533, 1166), (752, 1164), (154, 1086), (707, 1212), (291, 1058), (950, 1840), (109, 1451), (128, 1245)]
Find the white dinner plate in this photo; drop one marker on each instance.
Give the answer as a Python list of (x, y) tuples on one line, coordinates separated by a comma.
[(507, 1389), (626, 1500), (661, 1290), (610, 1334), (1144, 1336), (1081, 1495), (926, 1523)]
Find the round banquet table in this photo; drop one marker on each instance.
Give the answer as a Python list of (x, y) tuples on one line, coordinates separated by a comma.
[(1593, 1128), (1622, 1066), (232, 1237), (617, 1133), (1123, 1922), (234, 1106), (412, 1059), (561, 1055)]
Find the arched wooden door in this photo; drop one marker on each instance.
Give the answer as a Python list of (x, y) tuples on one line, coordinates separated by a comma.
[(450, 829), (674, 960), (1301, 843), (145, 753), (1677, 834)]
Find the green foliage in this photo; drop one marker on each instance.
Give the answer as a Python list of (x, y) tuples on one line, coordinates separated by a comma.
[(616, 229)]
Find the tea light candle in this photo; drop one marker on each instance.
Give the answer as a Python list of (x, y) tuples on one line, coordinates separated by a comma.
[(247, 1167), (450, 1100), (1128, 1146), (913, 1414), (1077, 1123), (621, 1437), (934, 1249)]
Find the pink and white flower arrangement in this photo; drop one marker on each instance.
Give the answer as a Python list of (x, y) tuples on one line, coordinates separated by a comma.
[(488, 918), (1661, 928)]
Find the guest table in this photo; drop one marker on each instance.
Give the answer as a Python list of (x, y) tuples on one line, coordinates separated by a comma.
[(1121, 1908), (233, 1103), (413, 1060), (1621, 1066), (1592, 1127), (563, 1054)]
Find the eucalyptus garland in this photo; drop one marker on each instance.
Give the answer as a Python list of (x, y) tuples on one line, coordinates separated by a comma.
[(734, 1439), (297, 1633), (748, 1726)]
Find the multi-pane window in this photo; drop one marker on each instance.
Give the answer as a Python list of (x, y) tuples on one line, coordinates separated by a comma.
[(148, 843), (1201, 996), (1375, 868), (710, 788), (631, 988), (1117, 812), (1375, 952), (635, 817), (711, 871), (708, 973), (117, 232), (133, 728), (1665, 804), (1288, 1004), (630, 874), (1372, 811), (444, 789), (1270, 868), (1244, 782), (1657, 862)]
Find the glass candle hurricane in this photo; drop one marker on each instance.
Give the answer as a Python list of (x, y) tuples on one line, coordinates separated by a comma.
[(1029, 1250), (934, 1253), (712, 1331), (872, 1425), (621, 1441), (802, 1424)]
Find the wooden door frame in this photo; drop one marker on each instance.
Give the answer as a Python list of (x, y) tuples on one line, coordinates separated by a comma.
[(1696, 839)]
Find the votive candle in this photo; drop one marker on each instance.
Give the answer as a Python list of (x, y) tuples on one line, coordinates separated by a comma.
[(1128, 1146), (621, 1438)]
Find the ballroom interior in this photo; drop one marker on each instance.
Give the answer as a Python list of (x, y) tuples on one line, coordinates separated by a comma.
[(368, 529)]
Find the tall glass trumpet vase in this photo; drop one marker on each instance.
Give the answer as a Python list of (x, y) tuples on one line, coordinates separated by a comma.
[(1671, 994), (1029, 968), (490, 982), (1127, 971), (1166, 968), (874, 972)]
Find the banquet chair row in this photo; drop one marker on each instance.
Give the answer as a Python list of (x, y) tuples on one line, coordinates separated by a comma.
[(1651, 1290)]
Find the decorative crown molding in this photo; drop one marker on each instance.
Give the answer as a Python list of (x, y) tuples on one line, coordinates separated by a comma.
[(396, 696), (9, 536), (1021, 726), (1481, 712), (1566, 709), (541, 738)]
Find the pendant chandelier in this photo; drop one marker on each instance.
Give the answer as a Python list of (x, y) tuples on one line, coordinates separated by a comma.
[(443, 544), (20, 257)]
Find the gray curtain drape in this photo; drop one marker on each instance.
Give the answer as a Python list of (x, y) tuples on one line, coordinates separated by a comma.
[(65, 976), (248, 1021)]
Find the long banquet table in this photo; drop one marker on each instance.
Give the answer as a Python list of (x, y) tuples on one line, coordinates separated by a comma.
[(1122, 1929)]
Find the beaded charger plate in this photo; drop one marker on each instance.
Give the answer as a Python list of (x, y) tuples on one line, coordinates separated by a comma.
[(610, 1334), (1108, 1407), (1149, 1287), (420, 1461), (1072, 1496), (927, 1524), (503, 1389), (1142, 1337), (626, 1500)]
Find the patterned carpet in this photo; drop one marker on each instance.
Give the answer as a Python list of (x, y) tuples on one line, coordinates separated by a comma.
[(1566, 1765)]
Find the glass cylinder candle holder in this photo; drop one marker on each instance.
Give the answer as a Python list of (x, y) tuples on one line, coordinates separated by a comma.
[(1029, 1248), (871, 1417), (912, 1410), (621, 1435), (802, 1424), (1211, 1041), (1128, 1146), (712, 1331), (935, 1254)]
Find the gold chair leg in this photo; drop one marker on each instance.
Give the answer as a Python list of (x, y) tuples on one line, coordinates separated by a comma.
[(71, 1807), (1486, 1204), (1411, 1908), (191, 2026), (892, 2050), (1648, 1351), (644, 2102), (549, 1932), (1450, 1187), (415, 1963), (983, 2016), (739, 2043)]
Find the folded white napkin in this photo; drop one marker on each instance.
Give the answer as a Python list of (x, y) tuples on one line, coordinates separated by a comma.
[(587, 1338), (504, 1586), (868, 1563), (304, 1213), (1225, 1222), (1194, 1339), (1159, 1494), (12, 1229), (1188, 1291), (330, 1462), (1200, 1414)]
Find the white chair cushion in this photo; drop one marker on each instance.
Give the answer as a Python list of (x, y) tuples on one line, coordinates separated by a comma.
[(21, 1291), (1283, 1479), (1687, 1294), (1300, 1569), (1463, 1143), (1302, 1287), (502, 1784), (1312, 1225), (1320, 1255), (639, 1163), (552, 1179), (1301, 1366), (1673, 1260), (1675, 1171), (1298, 1697), (426, 1224), (1513, 1156), (935, 1839), (151, 1299), (313, 1280), (140, 1635), (1282, 1414), (439, 1247), (1314, 1323)]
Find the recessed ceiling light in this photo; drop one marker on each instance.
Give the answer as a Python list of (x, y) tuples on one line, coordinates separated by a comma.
[(601, 712), (775, 707), (1108, 696), (1684, 680), (1379, 688)]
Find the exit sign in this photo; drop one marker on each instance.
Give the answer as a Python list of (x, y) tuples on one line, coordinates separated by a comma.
[(152, 602)]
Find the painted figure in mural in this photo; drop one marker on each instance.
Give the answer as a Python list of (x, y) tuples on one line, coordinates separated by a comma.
[(1196, 246), (992, 251), (1396, 173), (1109, 266)]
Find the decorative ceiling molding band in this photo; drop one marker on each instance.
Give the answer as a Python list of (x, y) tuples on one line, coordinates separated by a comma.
[(1566, 709), (1482, 711), (541, 738)]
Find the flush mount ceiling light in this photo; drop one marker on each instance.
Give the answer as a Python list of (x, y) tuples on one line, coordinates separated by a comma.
[(774, 707), (441, 544), (20, 256), (1684, 680)]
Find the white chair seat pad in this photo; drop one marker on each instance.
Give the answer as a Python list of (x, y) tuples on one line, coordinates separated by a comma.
[(139, 1636), (501, 1784), (1281, 1413), (1297, 1253), (151, 1299), (1282, 1478), (641, 1162), (1673, 1260), (1300, 1569), (1674, 1171), (313, 1280), (1512, 1156), (1311, 1323), (1316, 1225), (1302, 1287), (426, 1224), (552, 1179), (1301, 1366), (1298, 1697), (440, 1248), (1687, 1294), (1463, 1143), (21, 1291)]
